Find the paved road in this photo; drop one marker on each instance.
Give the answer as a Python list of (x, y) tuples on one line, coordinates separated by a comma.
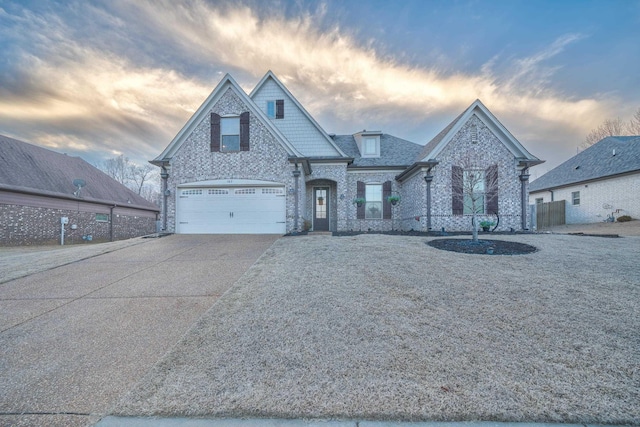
[(74, 338)]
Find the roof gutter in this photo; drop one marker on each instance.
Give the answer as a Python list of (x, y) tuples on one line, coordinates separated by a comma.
[(416, 167), (304, 161), (45, 193)]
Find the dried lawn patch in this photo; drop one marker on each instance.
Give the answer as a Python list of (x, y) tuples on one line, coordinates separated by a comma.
[(388, 328)]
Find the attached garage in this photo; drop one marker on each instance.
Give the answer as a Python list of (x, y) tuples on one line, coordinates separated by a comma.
[(231, 210)]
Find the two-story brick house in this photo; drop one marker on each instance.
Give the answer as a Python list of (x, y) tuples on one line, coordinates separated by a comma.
[(260, 163)]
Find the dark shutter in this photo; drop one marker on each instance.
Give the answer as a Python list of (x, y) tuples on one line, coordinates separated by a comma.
[(280, 109), (244, 131), (457, 200), (215, 132), (491, 177), (361, 192), (386, 205)]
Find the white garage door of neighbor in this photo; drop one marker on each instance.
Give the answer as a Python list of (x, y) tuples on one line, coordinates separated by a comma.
[(255, 210)]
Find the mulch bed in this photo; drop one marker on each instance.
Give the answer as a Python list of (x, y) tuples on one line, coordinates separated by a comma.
[(482, 247)]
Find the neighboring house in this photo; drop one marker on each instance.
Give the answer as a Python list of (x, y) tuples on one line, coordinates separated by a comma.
[(259, 163), (38, 187), (600, 181)]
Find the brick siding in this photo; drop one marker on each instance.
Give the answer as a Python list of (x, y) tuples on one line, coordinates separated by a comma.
[(27, 225)]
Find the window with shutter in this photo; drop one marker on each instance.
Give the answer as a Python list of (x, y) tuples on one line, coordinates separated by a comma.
[(215, 132), (386, 205), (280, 109), (244, 131), (492, 189), (230, 134), (456, 190), (373, 195), (360, 195)]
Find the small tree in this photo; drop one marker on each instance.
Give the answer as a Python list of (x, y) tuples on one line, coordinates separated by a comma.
[(474, 190)]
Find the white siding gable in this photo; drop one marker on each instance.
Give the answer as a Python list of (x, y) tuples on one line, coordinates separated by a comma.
[(295, 126)]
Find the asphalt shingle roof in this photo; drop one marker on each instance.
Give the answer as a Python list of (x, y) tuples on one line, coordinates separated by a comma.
[(597, 161), (393, 151), (429, 147), (28, 167)]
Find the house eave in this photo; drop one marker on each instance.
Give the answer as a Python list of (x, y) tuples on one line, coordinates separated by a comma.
[(584, 181), (62, 196), (411, 170)]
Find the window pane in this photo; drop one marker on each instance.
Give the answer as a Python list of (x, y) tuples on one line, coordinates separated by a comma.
[(370, 146), (271, 109), (230, 126), (373, 206), (230, 143), (230, 131), (469, 203), (321, 204)]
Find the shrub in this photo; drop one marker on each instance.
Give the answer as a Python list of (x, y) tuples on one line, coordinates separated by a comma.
[(624, 218)]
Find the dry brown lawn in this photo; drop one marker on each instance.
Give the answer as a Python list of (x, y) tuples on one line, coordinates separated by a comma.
[(388, 328)]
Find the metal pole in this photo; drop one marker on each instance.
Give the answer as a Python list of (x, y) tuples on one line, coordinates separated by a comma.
[(428, 179), (524, 177), (296, 175), (164, 175)]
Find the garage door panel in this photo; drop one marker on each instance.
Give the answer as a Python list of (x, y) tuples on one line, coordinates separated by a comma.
[(233, 210)]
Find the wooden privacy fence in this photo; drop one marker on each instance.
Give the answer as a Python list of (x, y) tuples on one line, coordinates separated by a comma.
[(550, 214)]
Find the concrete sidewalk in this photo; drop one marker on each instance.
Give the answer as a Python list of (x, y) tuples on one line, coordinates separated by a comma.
[(75, 338), (257, 422)]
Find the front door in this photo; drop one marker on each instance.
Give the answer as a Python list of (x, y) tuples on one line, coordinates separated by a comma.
[(321, 209)]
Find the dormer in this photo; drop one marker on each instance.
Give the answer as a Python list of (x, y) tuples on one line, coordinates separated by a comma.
[(368, 143)]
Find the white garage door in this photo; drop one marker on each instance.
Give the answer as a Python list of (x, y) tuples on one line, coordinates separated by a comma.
[(251, 210)]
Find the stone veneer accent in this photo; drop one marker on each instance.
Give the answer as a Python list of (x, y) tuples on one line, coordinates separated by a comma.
[(266, 160), (372, 177), (486, 152)]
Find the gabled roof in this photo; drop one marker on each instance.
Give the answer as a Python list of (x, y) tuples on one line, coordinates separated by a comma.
[(28, 168), (270, 76), (434, 147), (225, 84), (611, 156), (393, 151)]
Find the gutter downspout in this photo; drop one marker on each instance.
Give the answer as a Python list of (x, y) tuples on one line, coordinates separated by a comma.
[(165, 196), (524, 178), (428, 179), (296, 175), (551, 191), (111, 222)]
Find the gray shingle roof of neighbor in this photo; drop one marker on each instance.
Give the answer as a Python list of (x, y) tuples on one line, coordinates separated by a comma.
[(597, 161), (26, 167), (393, 151)]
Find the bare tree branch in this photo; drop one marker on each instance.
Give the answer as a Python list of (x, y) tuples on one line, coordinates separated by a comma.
[(610, 127), (143, 180), (633, 127), (474, 189)]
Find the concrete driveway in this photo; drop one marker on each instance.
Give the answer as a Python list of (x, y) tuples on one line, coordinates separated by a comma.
[(75, 338)]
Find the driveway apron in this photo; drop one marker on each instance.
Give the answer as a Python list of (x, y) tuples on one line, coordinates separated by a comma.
[(73, 339)]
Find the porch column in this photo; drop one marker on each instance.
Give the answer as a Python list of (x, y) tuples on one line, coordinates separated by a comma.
[(296, 175), (524, 178), (428, 178), (165, 195)]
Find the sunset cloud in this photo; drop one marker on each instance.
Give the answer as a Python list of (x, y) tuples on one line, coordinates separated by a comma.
[(128, 84)]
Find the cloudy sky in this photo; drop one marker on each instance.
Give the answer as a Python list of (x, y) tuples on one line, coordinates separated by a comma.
[(101, 78)]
